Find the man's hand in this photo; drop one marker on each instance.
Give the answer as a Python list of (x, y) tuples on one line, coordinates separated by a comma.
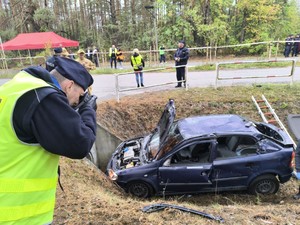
[(87, 100)]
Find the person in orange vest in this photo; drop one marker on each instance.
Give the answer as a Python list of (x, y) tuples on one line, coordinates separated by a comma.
[(43, 116), (120, 57)]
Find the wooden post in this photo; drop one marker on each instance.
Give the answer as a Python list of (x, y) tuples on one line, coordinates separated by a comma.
[(277, 46), (150, 56), (216, 48), (206, 54), (30, 56), (210, 54), (4, 63), (270, 50), (20, 58)]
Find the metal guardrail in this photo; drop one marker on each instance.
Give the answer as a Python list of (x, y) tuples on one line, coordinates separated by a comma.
[(120, 90), (218, 77)]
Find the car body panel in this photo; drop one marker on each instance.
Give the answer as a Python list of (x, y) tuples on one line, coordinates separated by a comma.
[(203, 154)]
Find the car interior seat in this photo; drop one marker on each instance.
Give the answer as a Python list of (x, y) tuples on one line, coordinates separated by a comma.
[(200, 152), (184, 153), (232, 143), (228, 148)]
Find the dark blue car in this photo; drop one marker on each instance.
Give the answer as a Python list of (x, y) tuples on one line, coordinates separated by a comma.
[(210, 153)]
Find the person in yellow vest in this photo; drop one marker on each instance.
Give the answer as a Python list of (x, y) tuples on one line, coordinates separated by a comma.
[(86, 63), (113, 56), (162, 56), (138, 63), (41, 118)]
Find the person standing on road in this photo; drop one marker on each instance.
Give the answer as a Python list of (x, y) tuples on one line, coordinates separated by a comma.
[(95, 56), (113, 56), (138, 64), (88, 65), (120, 57), (42, 118), (162, 57), (288, 45), (50, 62), (181, 57)]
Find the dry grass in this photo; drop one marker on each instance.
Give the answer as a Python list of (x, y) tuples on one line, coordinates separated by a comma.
[(90, 198)]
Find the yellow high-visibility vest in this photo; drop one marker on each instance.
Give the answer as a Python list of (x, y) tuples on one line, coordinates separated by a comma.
[(28, 173), (136, 61)]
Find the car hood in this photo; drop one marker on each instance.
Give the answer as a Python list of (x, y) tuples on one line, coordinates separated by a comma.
[(166, 121)]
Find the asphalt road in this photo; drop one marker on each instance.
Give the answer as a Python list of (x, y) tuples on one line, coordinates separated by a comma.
[(105, 85)]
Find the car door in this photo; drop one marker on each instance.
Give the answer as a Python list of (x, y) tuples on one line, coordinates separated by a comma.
[(188, 174), (232, 167)]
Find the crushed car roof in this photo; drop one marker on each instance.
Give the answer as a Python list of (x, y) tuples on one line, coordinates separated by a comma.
[(203, 125)]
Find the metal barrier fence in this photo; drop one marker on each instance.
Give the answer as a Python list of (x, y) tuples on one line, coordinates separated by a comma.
[(22, 61), (120, 90), (218, 77), (208, 54)]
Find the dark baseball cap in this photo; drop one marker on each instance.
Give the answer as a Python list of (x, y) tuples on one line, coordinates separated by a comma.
[(58, 50), (73, 70), (181, 41)]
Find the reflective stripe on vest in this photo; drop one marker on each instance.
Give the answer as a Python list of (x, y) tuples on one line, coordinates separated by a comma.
[(20, 212), (26, 185), (28, 173)]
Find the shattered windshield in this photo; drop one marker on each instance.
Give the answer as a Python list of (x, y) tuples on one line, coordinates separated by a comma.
[(154, 141), (173, 138)]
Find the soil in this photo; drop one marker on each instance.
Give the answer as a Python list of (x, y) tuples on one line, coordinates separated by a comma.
[(90, 198)]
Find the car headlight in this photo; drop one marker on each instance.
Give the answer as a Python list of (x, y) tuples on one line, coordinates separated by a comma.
[(112, 175)]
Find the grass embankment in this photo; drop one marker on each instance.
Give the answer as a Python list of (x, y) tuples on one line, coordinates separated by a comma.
[(90, 198)]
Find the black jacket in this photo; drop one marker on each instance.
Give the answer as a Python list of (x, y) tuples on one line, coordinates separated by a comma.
[(183, 54), (44, 116)]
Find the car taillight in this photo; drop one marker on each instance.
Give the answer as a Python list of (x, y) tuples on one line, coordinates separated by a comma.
[(292, 163), (112, 175)]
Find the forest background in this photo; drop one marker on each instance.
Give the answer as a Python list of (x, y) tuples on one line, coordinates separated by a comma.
[(133, 23)]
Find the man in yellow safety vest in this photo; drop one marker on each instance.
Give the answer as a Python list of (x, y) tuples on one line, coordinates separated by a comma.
[(42, 116)]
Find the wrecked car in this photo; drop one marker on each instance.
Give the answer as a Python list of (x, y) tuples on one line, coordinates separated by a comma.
[(211, 153)]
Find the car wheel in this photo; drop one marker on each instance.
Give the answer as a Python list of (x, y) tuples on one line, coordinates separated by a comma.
[(265, 184), (140, 189)]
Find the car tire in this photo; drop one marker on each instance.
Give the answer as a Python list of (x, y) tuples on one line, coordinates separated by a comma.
[(140, 189), (265, 184)]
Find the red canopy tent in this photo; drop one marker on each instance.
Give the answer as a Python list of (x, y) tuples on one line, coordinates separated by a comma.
[(38, 40)]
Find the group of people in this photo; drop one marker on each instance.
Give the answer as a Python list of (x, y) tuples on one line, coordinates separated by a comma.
[(292, 45), (181, 57), (116, 57)]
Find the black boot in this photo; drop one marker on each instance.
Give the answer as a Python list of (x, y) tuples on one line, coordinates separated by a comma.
[(178, 85), (138, 85)]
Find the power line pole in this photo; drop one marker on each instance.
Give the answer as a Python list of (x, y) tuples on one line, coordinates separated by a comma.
[(151, 9)]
